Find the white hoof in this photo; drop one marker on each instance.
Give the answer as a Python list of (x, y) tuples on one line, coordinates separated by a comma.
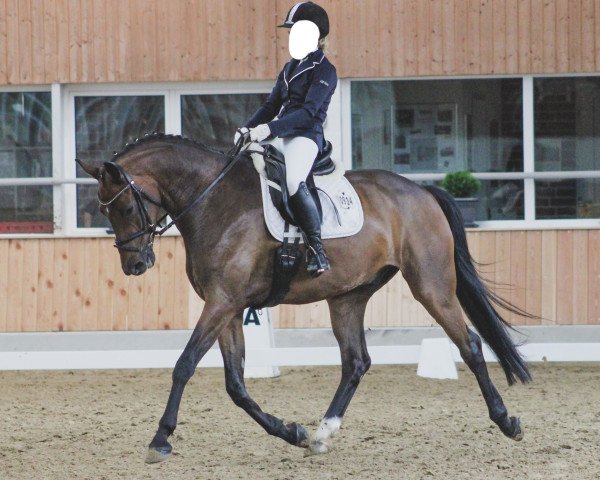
[(317, 447)]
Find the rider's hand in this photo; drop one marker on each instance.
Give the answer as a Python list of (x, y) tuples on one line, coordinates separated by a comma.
[(260, 132), (238, 133)]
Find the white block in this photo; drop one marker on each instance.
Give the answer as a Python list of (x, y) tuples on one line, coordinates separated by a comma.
[(435, 359), (258, 333)]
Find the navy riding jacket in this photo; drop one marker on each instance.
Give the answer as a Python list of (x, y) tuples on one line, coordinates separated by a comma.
[(297, 106)]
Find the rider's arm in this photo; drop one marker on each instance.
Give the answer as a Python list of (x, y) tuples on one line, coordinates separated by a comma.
[(322, 87), (270, 108)]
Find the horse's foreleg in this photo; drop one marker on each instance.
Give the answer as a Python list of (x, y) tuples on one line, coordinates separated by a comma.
[(204, 335), (231, 341), (347, 316)]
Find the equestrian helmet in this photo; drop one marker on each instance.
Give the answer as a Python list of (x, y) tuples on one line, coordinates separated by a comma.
[(308, 11)]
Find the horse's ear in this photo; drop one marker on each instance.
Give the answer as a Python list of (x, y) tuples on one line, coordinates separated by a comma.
[(113, 172), (89, 169)]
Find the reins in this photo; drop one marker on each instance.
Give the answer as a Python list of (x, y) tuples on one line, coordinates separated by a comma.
[(153, 229)]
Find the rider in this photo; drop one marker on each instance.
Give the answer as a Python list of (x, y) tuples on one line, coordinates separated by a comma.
[(294, 114)]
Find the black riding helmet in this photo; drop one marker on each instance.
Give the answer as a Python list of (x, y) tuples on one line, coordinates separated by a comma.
[(308, 11)]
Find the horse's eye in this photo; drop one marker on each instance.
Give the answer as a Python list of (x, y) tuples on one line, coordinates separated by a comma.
[(129, 211)]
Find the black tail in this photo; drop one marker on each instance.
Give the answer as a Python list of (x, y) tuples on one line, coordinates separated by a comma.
[(476, 299)]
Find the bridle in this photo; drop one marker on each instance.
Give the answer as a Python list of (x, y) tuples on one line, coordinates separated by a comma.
[(153, 228)]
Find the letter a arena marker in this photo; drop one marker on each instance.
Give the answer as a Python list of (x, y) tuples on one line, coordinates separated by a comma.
[(258, 334)]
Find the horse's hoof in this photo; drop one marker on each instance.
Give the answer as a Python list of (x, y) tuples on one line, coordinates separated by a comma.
[(301, 434), (317, 447), (518, 434), (158, 454)]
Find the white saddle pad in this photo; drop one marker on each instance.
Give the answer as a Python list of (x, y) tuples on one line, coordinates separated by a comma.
[(339, 193)]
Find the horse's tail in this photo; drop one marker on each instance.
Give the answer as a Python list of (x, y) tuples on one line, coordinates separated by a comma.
[(476, 299)]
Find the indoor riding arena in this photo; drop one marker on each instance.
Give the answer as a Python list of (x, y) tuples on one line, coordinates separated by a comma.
[(96, 347)]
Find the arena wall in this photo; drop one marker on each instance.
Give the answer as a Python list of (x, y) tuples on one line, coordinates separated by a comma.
[(77, 285), (64, 41)]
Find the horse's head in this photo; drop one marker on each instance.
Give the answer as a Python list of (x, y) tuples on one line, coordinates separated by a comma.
[(132, 208)]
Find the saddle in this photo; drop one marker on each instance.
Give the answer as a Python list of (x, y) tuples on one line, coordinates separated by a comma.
[(288, 255), (276, 179)]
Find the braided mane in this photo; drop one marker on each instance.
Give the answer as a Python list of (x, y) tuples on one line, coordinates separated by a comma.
[(159, 136)]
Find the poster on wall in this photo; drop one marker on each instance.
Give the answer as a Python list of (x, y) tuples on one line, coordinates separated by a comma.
[(424, 137)]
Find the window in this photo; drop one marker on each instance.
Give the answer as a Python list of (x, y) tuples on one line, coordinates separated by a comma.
[(213, 119), (103, 125), (567, 139), (425, 128), (25, 154)]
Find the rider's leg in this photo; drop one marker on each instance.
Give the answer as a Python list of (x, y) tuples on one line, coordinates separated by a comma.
[(300, 154)]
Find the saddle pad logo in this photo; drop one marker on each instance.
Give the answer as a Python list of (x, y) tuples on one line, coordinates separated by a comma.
[(345, 200)]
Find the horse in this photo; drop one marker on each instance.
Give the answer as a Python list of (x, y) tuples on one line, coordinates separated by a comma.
[(215, 201)]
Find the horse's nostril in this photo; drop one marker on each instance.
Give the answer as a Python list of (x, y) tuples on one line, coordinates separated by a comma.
[(139, 267)]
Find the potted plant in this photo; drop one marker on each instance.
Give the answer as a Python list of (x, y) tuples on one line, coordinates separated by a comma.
[(463, 186)]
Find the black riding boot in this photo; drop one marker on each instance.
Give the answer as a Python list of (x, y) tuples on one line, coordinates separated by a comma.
[(305, 211)]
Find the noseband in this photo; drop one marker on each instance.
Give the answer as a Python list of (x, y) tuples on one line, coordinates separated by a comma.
[(152, 229)]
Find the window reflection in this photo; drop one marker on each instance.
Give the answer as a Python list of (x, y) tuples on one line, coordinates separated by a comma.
[(104, 125)]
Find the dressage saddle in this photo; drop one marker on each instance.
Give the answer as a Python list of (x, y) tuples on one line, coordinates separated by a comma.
[(275, 171)]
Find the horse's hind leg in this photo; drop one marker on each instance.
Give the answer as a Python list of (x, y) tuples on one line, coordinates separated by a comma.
[(231, 342), (347, 317), (438, 297)]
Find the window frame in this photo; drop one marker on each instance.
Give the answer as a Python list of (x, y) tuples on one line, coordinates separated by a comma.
[(528, 176)]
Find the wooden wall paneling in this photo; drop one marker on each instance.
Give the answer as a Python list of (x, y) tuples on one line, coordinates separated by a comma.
[(594, 277), (63, 47), (319, 315), (180, 311), (90, 284), (123, 34), (152, 289), (449, 62), (512, 36), (45, 286), (4, 281), (518, 273), (3, 42), (15, 286), (74, 39), (562, 36), (38, 45), (378, 308), (499, 34), (30, 285), (437, 37), (549, 278), (587, 36), (564, 278), (108, 267), (49, 61), (424, 37), (597, 34), (385, 36), (195, 306), (409, 27), (393, 300), (460, 36), (111, 10), (135, 311), (87, 40), (486, 39), (575, 47), (76, 275), (61, 284), (166, 280), (12, 42), (120, 302), (549, 34), (580, 277), (25, 44), (136, 34), (473, 36), (502, 269), (368, 34), (100, 44), (397, 42), (524, 35), (533, 292), (537, 36)]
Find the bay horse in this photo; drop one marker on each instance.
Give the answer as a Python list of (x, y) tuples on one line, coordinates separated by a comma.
[(215, 201)]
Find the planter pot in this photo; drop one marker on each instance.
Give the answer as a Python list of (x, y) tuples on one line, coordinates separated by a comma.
[(468, 208)]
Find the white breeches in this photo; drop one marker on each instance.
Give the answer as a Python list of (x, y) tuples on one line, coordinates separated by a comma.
[(300, 154)]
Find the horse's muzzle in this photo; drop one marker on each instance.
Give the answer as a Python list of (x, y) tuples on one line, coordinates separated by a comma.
[(141, 262)]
